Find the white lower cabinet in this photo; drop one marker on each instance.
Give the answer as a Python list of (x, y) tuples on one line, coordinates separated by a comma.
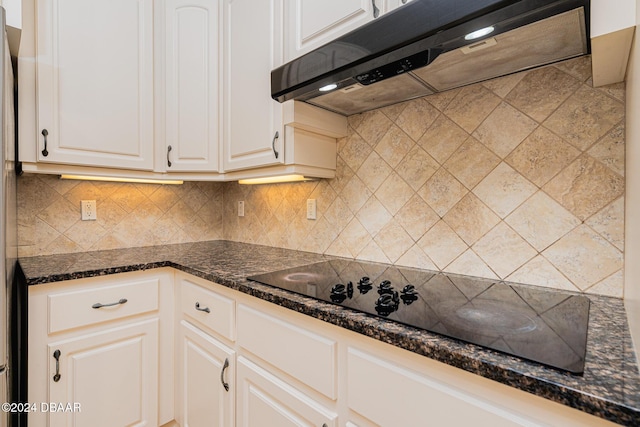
[(111, 377), (264, 400), (101, 351), (168, 347), (206, 380)]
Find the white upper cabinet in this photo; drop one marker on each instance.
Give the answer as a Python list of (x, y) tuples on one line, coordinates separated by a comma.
[(193, 58), (95, 83), (312, 23), (253, 121)]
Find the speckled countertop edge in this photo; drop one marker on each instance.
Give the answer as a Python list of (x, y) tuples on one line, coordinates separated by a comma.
[(609, 388)]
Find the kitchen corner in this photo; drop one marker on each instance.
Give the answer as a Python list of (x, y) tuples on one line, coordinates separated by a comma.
[(519, 177), (609, 388)]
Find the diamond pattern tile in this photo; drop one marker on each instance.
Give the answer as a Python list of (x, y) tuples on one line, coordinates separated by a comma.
[(510, 166)]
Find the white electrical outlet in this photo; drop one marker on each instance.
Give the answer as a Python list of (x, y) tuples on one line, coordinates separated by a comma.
[(88, 208), (241, 208), (311, 209)]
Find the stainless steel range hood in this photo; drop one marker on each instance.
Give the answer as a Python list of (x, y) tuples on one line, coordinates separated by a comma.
[(427, 47)]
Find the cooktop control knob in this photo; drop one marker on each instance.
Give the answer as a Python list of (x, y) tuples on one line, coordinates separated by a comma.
[(338, 293), (385, 287), (350, 290), (385, 305), (409, 294), (364, 285)]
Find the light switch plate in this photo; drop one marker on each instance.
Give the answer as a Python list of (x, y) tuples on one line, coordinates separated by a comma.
[(88, 209), (311, 208), (241, 208)]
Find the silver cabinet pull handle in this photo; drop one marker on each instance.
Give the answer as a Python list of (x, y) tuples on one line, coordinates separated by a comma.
[(404, 1), (99, 305), (45, 133), (56, 355), (376, 11), (205, 309), (224, 367), (273, 144), (168, 160)]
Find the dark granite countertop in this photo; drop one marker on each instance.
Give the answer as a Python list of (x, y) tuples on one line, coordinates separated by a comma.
[(609, 388)]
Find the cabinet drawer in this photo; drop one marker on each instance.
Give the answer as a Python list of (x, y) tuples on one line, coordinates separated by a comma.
[(110, 302), (209, 308), (305, 355)]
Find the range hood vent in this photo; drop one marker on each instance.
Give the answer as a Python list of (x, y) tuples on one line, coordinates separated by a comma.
[(425, 47)]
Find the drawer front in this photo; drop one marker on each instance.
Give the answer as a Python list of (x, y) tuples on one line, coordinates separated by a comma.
[(110, 302), (208, 308), (305, 355)]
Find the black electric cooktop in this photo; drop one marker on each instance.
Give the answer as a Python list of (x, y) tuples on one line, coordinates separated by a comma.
[(545, 326)]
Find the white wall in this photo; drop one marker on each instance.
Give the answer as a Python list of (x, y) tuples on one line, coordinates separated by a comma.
[(632, 197)]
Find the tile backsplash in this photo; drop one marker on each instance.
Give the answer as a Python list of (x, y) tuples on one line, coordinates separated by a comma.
[(128, 215), (518, 178)]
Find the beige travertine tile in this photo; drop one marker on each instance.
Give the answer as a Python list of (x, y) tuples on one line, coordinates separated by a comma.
[(147, 214), (373, 216), (416, 118), (393, 111), (443, 138), (504, 189), (374, 171), (165, 229), (128, 198), (394, 193), (616, 90), (610, 149), (540, 272), (416, 258), (442, 191), (441, 244), (584, 257), (612, 286), (585, 187), (471, 219), (393, 241), (471, 163), (164, 198), (504, 129), (343, 175), (60, 215), (355, 194), (471, 264), (503, 85), (44, 234), (471, 106), (417, 167), (180, 213), (580, 67), (585, 117), (338, 248), (541, 156), (609, 222), (541, 221), (62, 244), (354, 237), (372, 252), (503, 250), (354, 150), (416, 217), (394, 145), (443, 99), (86, 190), (338, 214), (373, 125), (541, 91), (354, 121)]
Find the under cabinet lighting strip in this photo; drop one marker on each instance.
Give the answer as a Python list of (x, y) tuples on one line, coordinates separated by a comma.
[(116, 179)]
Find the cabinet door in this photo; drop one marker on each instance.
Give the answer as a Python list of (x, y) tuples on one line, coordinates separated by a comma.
[(206, 366), (193, 59), (253, 47), (266, 401), (95, 82), (111, 375), (312, 23)]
